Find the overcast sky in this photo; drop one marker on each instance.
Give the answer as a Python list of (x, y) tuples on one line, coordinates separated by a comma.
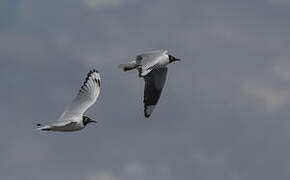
[(223, 114)]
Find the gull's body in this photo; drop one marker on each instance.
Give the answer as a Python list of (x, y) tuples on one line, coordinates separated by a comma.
[(64, 126), (72, 119), (152, 67)]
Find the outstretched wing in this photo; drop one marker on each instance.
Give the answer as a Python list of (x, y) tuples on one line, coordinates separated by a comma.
[(148, 57), (148, 60), (154, 83), (85, 98)]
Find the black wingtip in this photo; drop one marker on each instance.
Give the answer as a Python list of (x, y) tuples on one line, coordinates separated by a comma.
[(88, 77), (145, 112), (92, 71), (98, 82), (146, 116), (126, 69)]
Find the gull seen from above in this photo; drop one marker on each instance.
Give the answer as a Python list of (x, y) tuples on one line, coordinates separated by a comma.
[(152, 67), (72, 119)]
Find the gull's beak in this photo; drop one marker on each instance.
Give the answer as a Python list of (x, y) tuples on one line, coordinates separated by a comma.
[(177, 59), (93, 121)]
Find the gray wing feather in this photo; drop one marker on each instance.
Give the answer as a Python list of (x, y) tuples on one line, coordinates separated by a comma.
[(148, 60)]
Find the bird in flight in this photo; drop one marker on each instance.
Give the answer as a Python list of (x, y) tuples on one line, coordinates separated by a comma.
[(72, 119), (152, 67)]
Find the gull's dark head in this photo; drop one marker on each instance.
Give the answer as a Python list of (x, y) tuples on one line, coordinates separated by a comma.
[(87, 120), (173, 59)]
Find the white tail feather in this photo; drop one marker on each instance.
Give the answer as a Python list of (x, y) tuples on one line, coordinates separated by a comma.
[(43, 128), (129, 66)]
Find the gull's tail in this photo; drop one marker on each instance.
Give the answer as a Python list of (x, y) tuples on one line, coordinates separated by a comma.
[(129, 66), (43, 127)]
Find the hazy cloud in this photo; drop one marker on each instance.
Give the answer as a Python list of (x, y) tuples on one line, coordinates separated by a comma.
[(102, 175), (101, 3)]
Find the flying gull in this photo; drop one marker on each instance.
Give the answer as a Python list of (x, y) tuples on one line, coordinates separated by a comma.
[(152, 68), (72, 119)]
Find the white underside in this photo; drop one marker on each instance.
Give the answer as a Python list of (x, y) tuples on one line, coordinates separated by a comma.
[(63, 127)]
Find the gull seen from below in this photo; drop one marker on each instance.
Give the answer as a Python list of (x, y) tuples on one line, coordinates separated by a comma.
[(72, 119), (152, 68)]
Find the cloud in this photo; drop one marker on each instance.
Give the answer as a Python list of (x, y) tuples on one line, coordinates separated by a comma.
[(21, 47), (24, 152), (279, 2), (268, 96), (282, 69), (272, 90), (215, 165), (135, 169), (102, 175), (94, 4)]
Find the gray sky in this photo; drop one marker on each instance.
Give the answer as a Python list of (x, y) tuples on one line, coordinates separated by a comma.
[(223, 115)]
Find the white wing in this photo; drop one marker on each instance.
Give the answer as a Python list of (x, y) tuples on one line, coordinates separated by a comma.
[(154, 83), (85, 98), (148, 60)]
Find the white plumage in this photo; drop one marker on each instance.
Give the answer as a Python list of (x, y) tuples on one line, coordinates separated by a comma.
[(152, 67), (72, 119)]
